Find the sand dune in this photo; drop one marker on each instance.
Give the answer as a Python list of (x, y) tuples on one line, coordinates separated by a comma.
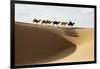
[(46, 44)]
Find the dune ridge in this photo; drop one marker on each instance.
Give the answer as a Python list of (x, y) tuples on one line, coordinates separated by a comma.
[(36, 44)]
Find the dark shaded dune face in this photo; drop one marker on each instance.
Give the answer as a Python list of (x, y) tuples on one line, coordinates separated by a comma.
[(35, 45)]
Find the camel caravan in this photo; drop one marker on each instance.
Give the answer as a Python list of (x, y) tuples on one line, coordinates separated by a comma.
[(53, 23)]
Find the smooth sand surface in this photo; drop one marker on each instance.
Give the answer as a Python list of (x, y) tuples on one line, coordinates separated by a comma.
[(85, 47), (37, 44)]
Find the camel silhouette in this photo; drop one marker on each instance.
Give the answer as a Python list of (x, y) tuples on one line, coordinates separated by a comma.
[(36, 20), (49, 22), (70, 23), (56, 22), (46, 22), (43, 22), (64, 23)]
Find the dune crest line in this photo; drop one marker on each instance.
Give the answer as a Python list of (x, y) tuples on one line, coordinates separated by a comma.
[(36, 44)]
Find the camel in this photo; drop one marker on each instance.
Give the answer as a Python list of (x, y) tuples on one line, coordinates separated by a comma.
[(64, 23), (43, 22), (46, 22), (53, 22), (56, 22), (36, 20), (70, 23), (49, 22)]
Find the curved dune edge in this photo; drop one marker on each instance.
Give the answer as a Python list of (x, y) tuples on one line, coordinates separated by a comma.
[(63, 46), (84, 44), (38, 45)]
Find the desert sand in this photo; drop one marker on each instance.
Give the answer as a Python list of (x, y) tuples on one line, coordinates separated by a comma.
[(38, 44)]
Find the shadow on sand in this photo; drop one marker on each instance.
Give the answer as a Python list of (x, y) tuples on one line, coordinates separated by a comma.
[(71, 32), (33, 46)]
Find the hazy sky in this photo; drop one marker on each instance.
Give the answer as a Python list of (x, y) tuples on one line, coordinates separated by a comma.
[(81, 16)]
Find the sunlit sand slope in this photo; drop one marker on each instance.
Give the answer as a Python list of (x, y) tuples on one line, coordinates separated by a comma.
[(46, 44), (84, 40)]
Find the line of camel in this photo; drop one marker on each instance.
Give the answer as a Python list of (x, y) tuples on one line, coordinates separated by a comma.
[(70, 23)]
